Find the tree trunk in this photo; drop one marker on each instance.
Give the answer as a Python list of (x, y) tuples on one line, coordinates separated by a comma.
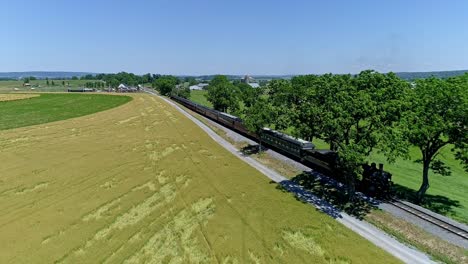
[(425, 182), (333, 146), (351, 188)]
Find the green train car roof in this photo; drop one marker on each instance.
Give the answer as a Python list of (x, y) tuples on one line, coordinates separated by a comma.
[(298, 141)]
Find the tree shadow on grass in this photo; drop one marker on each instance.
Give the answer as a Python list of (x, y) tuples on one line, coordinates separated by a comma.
[(436, 203), (330, 196), (335, 193), (327, 194), (305, 196)]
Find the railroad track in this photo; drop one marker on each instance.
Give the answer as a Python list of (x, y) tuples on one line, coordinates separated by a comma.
[(431, 219)]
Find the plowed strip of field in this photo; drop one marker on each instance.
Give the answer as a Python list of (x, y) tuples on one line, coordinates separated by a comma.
[(13, 97), (141, 183)]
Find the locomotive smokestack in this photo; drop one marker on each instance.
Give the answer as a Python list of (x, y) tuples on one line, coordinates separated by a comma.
[(380, 167)]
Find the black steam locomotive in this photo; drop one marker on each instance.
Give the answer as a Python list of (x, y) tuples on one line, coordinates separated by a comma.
[(375, 181)]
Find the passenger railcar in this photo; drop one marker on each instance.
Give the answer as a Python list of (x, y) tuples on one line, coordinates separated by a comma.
[(293, 146), (227, 119)]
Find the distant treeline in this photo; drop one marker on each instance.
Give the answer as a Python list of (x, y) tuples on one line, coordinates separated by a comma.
[(408, 76), (411, 76), (123, 76), (114, 79)]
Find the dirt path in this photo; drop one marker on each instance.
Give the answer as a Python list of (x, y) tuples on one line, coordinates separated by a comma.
[(371, 233)]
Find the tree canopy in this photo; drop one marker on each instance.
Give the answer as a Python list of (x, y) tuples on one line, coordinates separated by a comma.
[(247, 93), (223, 94), (358, 114), (114, 79), (258, 115), (165, 84), (182, 90), (438, 116), (355, 114)]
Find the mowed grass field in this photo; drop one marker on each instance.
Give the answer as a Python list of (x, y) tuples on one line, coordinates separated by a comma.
[(140, 183), (447, 195), (44, 108), (199, 96), (40, 85)]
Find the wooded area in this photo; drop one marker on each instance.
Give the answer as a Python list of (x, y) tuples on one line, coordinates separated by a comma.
[(358, 114)]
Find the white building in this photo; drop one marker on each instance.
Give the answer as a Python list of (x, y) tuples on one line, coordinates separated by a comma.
[(195, 87), (199, 86), (250, 81)]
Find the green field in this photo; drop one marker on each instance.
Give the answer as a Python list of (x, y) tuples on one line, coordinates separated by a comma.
[(40, 86), (141, 183), (447, 194), (199, 96), (54, 107)]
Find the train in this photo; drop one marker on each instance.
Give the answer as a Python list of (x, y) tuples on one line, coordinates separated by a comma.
[(374, 181)]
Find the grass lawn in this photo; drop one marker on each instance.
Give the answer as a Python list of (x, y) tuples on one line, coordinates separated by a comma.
[(199, 97), (41, 85), (447, 195), (53, 107), (142, 183)]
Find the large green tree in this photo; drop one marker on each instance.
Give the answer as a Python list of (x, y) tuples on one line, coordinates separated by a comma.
[(182, 90), (257, 116), (146, 78), (165, 84), (223, 94), (355, 114), (438, 117), (283, 100), (247, 94)]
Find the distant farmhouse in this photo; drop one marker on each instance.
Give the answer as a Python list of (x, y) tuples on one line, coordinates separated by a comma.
[(199, 86), (122, 87), (127, 89), (250, 81)]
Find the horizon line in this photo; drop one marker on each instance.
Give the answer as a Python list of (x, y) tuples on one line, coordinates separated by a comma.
[(228, 74)]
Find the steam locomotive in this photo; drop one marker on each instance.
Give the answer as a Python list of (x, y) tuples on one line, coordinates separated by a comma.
[(375, 181)]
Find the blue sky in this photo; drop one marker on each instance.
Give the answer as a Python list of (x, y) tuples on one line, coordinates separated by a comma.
[(233, 37)]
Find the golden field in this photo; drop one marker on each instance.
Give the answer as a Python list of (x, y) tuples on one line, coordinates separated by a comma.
[(140, 183)]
